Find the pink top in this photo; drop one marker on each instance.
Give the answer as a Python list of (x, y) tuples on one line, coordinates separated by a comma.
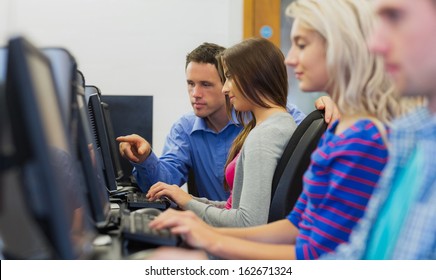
[(230, 177)]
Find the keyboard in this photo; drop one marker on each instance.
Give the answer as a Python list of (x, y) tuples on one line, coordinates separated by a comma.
[(139, 200), (135, 228)]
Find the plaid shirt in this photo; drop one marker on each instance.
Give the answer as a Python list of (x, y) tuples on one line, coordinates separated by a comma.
[(417, 239)]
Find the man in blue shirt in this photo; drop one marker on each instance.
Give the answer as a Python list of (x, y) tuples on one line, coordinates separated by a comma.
[(199, 140)]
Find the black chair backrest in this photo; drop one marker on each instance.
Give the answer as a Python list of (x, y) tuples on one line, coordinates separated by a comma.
[(287, 182), (192, 186)]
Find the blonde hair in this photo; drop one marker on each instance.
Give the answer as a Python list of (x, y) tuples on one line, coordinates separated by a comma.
[(358, 79)]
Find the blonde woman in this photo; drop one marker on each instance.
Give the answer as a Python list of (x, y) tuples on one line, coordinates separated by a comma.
[(329, 53)]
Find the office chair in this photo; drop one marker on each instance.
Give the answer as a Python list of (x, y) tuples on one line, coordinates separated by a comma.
[(192, 186), (287, 181)]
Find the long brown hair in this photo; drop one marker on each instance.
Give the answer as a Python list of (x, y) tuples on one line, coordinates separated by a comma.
[(258, 71)]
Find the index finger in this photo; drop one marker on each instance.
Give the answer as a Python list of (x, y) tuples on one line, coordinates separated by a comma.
[(127, 138)]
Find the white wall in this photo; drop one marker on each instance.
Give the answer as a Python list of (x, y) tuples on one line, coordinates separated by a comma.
[(129, 47)]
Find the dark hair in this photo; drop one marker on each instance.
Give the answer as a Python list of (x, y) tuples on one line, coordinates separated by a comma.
[(258, 70), (206, 53)]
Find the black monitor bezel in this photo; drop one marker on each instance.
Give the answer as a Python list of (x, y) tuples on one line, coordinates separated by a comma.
[(97, 192), (116, 163), (98, 127)]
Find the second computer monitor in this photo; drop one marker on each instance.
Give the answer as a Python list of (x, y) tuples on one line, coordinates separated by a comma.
[(99, 130), (91, 164), (115, 154)]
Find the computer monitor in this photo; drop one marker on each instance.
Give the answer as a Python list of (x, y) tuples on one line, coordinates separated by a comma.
[(3, 56), (115, 154), (91, 164), (99, 130), (3, 116), (139, 107), (6, 150), (46, 167), (19, 231), (70, 85), (3, 107), (64, 68)]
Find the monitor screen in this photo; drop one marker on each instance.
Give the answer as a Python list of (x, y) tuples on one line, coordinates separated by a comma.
[(17, 227), (99, 130), (97, 192), (115, 154), (5, 147), (64, 73), (139, 107), (70, 89), (3, 55), (48, 168)]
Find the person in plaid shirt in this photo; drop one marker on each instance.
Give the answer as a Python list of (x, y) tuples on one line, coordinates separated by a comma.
[(400, 222)]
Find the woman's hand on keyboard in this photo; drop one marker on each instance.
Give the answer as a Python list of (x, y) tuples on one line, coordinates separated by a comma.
[(188, 225), (172, 192)]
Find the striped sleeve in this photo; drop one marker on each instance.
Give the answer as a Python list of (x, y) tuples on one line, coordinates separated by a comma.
[(296, 214), (351, 168)]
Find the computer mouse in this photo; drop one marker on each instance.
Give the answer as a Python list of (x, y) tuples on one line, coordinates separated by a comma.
[(102, 240), (149, 211)]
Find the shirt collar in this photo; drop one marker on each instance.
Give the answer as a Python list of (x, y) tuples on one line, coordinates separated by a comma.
[(419, 122), (201, 125), (410, 129)]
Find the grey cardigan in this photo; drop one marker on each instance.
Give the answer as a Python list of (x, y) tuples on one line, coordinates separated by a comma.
[(253, 177)]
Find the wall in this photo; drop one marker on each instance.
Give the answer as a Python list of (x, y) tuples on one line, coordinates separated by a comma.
[(137, 47), (129, 47)]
